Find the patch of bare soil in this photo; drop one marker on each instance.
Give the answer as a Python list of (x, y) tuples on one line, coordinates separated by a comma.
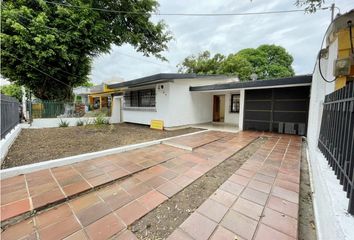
[(163, 220), (37, 145), (307, 227)]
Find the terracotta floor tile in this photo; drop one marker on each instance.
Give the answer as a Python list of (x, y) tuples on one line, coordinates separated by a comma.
[(118, 200), (84, 201), (248, 208), (223, 197), (169, 189), (239, 224), (125, 235), (53, 215), (283, 206), (285, 194), (152, 199), (104, 227), (130, 182), (267, 233), (213, 210), (260, 186), (76, 188), (79, 235), (131, 212), (15, 208), (60, 230), (280, 222), (264, 178), (139, 190), (155, 182), (168, 174), (13, 196), (245, 173), (119, 173), (182, 181), (46, 198), (93, 213), (255, 196), (222, 233), (287, 185), (99, 180), (22, 230), (198, 226), (232, 188), (241, 180), (178, 234)]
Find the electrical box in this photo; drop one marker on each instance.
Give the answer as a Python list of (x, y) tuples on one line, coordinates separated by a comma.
[(342, 66)]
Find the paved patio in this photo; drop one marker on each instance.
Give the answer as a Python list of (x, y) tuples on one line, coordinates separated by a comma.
[(267, 184)]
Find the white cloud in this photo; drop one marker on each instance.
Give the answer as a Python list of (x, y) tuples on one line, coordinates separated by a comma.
[(299, 33)]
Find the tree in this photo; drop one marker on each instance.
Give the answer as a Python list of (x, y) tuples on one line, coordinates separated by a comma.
[(48, 46), (310, 5), (12, 90), (267, 61), (201, 63), (236, 64)]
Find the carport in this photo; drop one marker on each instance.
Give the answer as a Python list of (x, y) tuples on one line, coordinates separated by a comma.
[(274, 105)]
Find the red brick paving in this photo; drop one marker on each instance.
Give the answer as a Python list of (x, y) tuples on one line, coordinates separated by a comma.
[(236, 209)]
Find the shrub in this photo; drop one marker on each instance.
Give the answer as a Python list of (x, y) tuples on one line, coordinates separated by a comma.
[(80, 123), (100, 120), (63, 123)]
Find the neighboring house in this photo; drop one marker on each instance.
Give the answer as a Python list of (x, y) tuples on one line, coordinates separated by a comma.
[(81, 94), (279, 105), (330, 133), (100, 96)]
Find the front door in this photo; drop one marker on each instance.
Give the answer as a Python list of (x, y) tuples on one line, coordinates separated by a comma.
[(219, 108), (216, 109)]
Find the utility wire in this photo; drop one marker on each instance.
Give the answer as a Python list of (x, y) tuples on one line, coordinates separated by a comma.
[(124, 54), (177, 14), (38, 69)]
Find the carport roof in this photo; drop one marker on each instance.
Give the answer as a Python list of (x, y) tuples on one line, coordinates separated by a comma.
[(269, 83)]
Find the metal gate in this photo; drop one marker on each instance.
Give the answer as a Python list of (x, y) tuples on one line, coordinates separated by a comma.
[(282, 110)]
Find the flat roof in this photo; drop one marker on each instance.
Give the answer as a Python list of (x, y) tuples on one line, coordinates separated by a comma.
[(295, 80), (162, 77)]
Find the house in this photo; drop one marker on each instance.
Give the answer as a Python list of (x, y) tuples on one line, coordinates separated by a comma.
[(100, 97), (330, 132), (167, 97), (279, 105)]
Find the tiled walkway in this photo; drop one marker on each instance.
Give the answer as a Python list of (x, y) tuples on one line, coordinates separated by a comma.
[(260, 201), (107, 211)]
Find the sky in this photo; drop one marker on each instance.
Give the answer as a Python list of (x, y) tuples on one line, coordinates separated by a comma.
[(301, 34)]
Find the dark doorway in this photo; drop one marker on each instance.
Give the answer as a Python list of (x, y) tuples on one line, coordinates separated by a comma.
[(219, 108), (282, 110)]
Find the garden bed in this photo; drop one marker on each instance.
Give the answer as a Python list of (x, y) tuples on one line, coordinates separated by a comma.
[(38, 145)]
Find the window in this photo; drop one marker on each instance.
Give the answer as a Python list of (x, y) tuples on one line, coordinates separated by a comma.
[(235, 103), (140, 98)]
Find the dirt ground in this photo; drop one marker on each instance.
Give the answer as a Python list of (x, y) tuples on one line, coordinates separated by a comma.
[(163, 220), (37, 145), (307, 227)]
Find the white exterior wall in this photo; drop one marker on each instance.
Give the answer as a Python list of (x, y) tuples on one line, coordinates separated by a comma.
[(175, 104), (145, 115), (54, 122), (230, 117), (330, 202)]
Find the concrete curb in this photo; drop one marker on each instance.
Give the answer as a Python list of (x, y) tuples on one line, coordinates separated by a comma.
[(11, 172), (9, 139)]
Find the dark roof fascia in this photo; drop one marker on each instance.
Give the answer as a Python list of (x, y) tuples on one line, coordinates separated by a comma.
[(152, 79), (301, 79)]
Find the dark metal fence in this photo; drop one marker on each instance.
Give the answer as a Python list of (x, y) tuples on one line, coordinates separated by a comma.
[(336, 140), (53, 109), (10, 116)]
